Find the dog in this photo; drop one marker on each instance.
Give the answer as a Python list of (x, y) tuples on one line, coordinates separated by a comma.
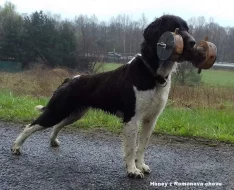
[(137, 92)]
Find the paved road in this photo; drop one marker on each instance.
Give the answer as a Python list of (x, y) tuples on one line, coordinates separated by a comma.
[(94, 161)]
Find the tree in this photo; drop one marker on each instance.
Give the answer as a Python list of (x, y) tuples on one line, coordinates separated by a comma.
[(10, 32), (85, 40), (67, 44), (53, 42)]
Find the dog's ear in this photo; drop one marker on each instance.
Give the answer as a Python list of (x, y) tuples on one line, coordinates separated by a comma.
[(153, 30)]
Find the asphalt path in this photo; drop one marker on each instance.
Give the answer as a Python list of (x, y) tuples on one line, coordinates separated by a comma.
[(93, 160)]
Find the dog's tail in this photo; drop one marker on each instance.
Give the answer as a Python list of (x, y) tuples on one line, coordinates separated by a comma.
[(40, 108)]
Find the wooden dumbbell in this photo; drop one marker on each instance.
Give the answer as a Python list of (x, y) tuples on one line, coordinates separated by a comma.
[(170, 46), (210, 51)]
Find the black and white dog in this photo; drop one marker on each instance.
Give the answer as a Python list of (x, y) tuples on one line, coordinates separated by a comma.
[(132, 91)]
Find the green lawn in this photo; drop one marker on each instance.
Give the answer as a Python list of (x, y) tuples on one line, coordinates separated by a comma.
[(108, 66), (218, 77), (111, 66), (207, 123)]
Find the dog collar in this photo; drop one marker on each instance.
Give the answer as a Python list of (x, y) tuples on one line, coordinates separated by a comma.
[(161, 80)]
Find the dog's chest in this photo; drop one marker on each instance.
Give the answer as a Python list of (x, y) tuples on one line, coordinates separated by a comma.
[(151, 102)]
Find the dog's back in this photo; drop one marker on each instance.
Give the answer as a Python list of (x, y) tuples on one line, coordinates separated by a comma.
[(111, 91)]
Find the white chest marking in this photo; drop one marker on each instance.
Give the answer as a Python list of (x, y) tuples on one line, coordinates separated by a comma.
[(151, 102)]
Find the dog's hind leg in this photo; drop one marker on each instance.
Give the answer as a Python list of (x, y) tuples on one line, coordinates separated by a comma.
[(28, 130), (146, 131), (54, 142), (129, 137)]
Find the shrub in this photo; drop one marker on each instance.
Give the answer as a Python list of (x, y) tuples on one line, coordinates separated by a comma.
[(187, 75)]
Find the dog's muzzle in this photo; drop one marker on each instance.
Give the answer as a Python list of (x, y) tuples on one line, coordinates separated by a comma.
[(188, 40)]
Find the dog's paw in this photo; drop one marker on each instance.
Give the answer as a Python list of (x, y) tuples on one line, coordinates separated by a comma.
[(143, 167), (54, 143), (135, 173), (15, 150)]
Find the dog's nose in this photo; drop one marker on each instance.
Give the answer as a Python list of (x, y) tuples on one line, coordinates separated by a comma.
[(191, 43)]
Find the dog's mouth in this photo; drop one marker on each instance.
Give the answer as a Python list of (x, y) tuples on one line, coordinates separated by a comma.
[(195, 56), (190, 52)]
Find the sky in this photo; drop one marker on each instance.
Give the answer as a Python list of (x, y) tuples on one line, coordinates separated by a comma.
[(222, 12)]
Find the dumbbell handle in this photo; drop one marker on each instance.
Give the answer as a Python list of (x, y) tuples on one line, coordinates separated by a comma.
[(161, 44)]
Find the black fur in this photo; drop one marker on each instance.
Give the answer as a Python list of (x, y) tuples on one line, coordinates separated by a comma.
[(113, 91)]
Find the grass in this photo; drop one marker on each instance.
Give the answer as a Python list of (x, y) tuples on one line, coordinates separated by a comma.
[(107, 66), (207, 123), (201, 111), (218, 77), (18, 108), (111, 66)]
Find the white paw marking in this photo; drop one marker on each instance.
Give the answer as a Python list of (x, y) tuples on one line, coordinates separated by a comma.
[(143, 167), (55, 143), (135, 173), (15, 150)]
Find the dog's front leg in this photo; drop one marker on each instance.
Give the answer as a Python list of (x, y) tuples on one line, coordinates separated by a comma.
[(147, 129), (130, 135)]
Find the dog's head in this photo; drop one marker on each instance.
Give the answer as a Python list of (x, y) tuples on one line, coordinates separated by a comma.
[(168, 23), (163, 24)]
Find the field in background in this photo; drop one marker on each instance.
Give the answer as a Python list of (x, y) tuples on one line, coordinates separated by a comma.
[(218, 77), (201, 111), (210, 77), (111, 66)]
